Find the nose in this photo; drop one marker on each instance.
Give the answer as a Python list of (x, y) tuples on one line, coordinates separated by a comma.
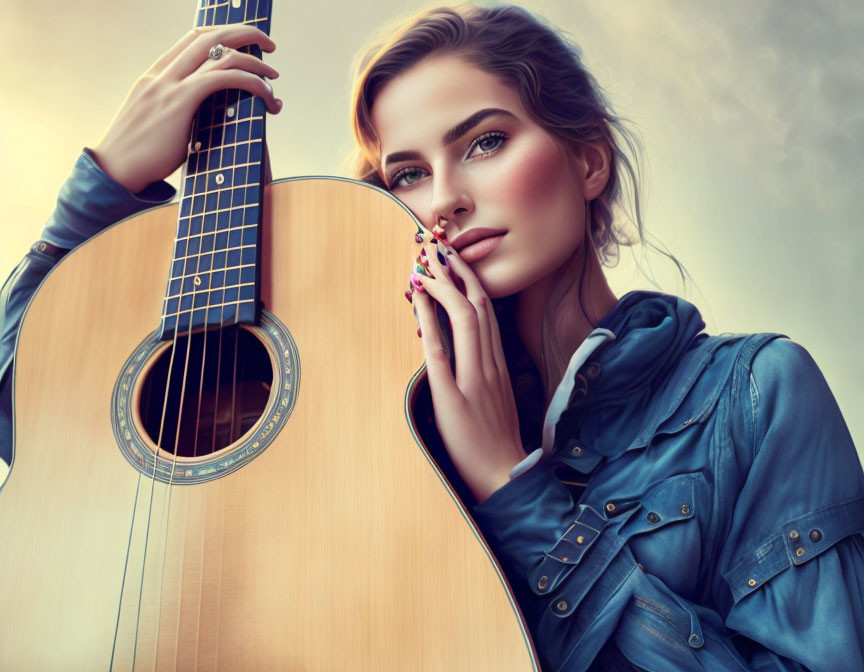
[(451, 201)]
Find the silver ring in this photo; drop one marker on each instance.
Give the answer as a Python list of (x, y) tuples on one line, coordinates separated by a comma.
[(216, 52)]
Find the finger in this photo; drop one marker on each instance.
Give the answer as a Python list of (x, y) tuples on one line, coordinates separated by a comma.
[(172, 53), (441, 381), (217, 80), (240, 61), (198, 51), (463, 324), (477, 297)]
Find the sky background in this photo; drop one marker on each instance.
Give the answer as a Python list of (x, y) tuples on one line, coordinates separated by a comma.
[(751, 113)]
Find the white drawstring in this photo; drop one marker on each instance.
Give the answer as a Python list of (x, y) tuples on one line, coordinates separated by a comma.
[(562, 395)]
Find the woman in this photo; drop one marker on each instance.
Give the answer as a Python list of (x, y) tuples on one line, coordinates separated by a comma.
[(658, 498)]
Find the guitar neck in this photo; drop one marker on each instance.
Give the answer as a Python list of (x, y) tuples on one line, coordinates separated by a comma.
[(215, 272)]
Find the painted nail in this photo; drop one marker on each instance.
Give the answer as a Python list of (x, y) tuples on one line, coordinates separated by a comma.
[(419, 333), (418, 238), (418, 283), (408, 296), (423, 252)]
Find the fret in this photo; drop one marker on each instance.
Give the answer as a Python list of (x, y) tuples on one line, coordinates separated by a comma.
[(199, 290), (207, 233), (223, 189), (221, 124), (224, 168), (228, 145), (195, 309), (230, 249), (233, 270), (187, 199)]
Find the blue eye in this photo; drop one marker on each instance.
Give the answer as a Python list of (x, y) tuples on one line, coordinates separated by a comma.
[(497, 139), (397, 178)]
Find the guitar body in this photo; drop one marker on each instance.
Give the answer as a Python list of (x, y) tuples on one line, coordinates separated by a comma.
[(340, 545)]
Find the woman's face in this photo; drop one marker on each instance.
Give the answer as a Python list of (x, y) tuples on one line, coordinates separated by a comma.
[(504, 172)]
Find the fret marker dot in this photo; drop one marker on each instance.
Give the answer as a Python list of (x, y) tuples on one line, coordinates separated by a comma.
[(220, 178), (197, 280), (229, 112)]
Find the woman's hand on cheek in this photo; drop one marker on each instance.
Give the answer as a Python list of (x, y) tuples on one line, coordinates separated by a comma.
[(475, 411)]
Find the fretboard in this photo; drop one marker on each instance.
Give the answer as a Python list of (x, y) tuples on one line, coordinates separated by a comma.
[(215, 271)]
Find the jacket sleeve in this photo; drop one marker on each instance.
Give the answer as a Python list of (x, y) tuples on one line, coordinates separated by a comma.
[(88, 202), (521, 520), (792, 563)]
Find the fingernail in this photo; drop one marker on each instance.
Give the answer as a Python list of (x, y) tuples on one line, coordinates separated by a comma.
[(418, 283), (408, 296), (419, 333), (423, 252), (418, 238)]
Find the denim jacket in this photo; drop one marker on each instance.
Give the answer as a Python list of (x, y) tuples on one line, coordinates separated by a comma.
[(699, 504)]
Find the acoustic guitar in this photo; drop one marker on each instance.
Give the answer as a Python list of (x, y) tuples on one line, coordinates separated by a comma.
[(224, 456)]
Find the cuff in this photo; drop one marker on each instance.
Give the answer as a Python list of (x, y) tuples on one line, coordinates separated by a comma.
[(524, 517), (90, 200)]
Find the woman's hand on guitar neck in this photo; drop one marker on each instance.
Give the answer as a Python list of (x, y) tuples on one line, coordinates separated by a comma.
[(147, 140)]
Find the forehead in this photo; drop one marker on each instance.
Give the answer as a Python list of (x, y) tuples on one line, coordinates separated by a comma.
[(413, 110)]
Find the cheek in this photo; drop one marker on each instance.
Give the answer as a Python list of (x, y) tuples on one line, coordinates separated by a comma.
[(536, 183)]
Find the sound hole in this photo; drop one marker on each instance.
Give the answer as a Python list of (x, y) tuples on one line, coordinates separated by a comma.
[(219, 387)]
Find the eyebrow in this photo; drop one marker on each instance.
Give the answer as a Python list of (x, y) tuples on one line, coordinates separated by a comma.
[(452, 135)]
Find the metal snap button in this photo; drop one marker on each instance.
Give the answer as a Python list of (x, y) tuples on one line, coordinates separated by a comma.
[(751, 582), (799, 552), (610, 507), (695, 640), (793, 534), (652, 517), (580, 539), (593, 370), (815, 535), (561, 606), (685, 509), (543, 582), (576, 451)]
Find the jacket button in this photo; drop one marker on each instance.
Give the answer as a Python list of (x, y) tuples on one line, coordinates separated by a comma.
[(815, 535), (593, 370), (576, 451), (793, 534), (695, 640), (561, 606), (543, 582), (652, 517), (580, 539), (685, 509), (799, 552), (610, 507), (751, 582)]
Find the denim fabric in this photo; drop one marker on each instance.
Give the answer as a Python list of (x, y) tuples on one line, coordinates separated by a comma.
[(702, 507)]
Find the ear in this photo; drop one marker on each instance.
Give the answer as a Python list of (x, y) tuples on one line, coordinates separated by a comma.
[(592, 163)]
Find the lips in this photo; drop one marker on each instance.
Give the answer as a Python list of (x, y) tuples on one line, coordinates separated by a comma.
[(472, 236)]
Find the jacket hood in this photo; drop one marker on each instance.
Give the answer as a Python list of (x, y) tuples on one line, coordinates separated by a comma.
[(615, 387)]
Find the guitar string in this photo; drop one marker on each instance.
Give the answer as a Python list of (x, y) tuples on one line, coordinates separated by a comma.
[(167, 500), (236, 339), (200, 396), (150, 505)]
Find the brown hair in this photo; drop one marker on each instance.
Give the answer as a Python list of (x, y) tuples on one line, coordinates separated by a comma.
[(557, 91)]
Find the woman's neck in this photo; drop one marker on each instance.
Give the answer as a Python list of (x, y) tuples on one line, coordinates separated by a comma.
[(572, 324)]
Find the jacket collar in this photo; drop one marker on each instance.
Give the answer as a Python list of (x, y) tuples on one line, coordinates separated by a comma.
[(613, 390)]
